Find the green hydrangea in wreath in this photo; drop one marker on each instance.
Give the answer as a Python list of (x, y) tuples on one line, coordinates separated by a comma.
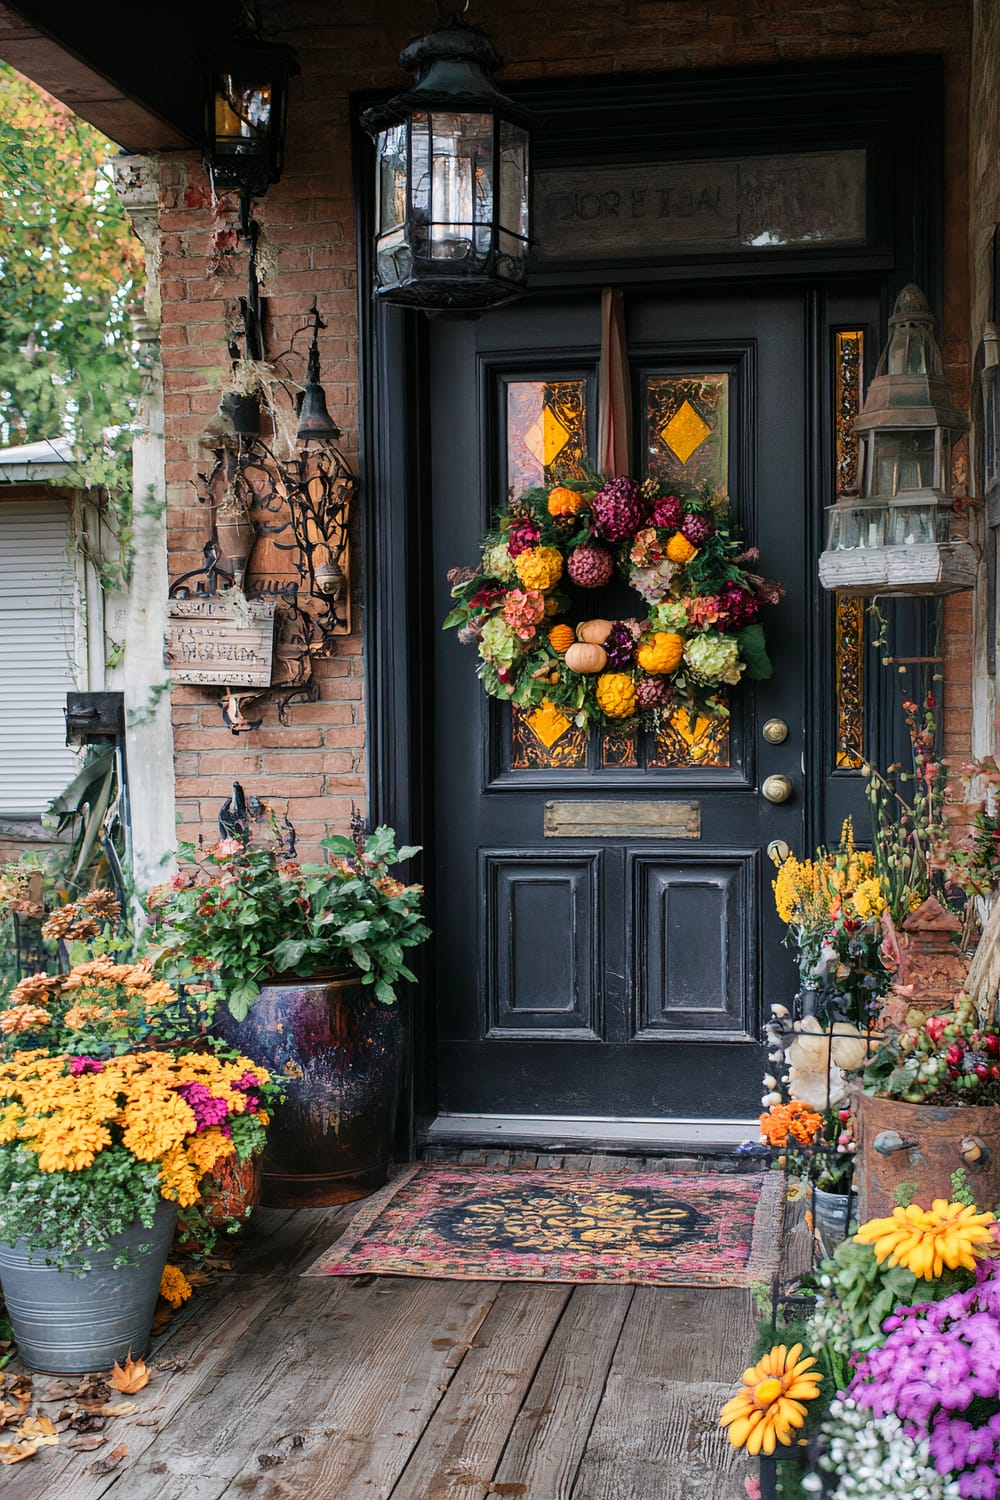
[(525, 605)]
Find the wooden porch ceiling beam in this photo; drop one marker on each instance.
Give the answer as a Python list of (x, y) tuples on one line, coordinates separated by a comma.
[(47, 61)]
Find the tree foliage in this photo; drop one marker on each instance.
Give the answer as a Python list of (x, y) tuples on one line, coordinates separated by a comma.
[(69, 266)]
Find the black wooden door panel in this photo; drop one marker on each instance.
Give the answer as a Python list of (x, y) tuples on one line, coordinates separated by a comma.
[(623, 973)]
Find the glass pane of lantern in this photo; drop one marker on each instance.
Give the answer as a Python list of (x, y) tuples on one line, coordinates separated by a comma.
[(911, 524), (858, 526), (391, 178), (242, 111), (461, 186), (512, 218), (904, 462), (420, 181)]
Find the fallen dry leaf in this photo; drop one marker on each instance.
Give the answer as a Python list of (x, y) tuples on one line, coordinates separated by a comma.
[(38, 1430), (134, 1377), (114, 1458), (13, 1453), (86, 1442), (161, 1319), (121, 1409), (87, 1421), (93, 1388), (60, 1390)]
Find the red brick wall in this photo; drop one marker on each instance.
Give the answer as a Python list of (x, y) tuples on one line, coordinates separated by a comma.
[(315, 767)]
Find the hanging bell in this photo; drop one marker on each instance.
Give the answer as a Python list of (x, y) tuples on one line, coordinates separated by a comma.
[(315, 422)]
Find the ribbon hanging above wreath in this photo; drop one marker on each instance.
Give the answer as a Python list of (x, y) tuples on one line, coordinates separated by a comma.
[(525, 606)]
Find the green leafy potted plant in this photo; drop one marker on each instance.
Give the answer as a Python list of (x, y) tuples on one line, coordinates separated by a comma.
[(306, 959)]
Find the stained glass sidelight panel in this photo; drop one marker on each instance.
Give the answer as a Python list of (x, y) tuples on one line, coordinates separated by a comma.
[(681, 742), (687, 430), (849, 614), (546, 432), (545, 737)]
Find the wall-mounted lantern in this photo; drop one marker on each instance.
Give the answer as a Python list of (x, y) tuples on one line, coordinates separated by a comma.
[(893, 538), (452, 187), (246, 106)]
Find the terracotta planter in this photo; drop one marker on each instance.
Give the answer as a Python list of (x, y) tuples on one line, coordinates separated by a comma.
[(924, 1144), (339, 1053), (232, 1190)]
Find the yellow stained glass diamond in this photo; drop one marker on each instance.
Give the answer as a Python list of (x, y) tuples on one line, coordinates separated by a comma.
[(546, 437), (548, 723), (685, 432)]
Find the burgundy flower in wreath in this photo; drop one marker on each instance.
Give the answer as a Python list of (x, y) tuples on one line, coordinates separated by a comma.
[(523, 534), (668, 512), (738, 607), (617, 511), (589, 566)]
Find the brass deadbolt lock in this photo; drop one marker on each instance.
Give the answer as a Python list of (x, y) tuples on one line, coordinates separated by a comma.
[(777, 788)]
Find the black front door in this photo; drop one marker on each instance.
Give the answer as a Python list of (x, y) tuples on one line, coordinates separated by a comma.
[(604, 921)]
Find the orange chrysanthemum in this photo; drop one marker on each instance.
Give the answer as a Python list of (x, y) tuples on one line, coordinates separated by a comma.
[(791, 1122), (769, 1407)]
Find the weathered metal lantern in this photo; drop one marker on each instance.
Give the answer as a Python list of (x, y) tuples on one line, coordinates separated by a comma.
[(894, 537), (246, 107), (453, 184)]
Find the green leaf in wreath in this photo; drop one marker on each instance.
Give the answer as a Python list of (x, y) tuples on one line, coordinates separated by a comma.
[(754, 652)]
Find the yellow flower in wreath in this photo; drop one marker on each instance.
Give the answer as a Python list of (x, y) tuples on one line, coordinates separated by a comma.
[(661, 653), (540, 568), (680, 550), (616, 695), (565, 502)]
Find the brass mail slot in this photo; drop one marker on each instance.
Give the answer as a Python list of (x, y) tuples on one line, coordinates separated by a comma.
[(622, 820)]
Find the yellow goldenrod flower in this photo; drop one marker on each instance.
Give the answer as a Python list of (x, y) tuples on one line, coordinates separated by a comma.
[(924, 1241), (769, 1406)]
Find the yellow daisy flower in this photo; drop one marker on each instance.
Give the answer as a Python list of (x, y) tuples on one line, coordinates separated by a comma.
[(769, 1406), (926, 1240)]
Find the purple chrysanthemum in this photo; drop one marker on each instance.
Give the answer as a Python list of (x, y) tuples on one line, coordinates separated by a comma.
[(620, 646), (78, 1065), (207, 1108)]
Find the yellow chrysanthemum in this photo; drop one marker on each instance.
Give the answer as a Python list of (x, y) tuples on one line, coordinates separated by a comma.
[(540, 568), (679, 549), (179, 1180), (174, 1286), (769, 1407), (616, 695), (206, 1149), (661, 653), (926, 1240), (69, 1146)]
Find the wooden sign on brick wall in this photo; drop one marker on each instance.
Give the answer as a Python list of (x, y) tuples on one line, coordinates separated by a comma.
[(209, 642)]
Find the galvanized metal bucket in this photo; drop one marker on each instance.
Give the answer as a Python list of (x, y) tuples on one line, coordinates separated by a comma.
[(68, 1324)]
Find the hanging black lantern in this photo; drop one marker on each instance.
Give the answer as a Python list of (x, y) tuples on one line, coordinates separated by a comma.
[(246, 106), (453, 182)]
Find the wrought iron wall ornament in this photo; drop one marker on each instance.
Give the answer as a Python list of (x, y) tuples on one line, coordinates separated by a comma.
[(280, 532)]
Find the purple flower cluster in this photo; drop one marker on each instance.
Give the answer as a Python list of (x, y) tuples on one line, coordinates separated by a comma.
[(207, 1107), (939, 1371), (620, 646), (249, 1085), (78, 1065)]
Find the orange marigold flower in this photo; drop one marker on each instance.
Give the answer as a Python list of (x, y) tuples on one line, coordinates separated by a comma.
[(23, 1018), (791, 1122)]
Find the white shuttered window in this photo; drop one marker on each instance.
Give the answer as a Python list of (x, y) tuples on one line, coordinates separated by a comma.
[(37, 648)]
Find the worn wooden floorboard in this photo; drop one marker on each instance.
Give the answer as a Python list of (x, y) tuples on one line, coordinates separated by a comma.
[(550, 1432), (462, 1444)]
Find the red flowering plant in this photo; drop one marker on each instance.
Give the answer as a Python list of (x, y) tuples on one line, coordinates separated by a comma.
[(696, 628), (238, 914)]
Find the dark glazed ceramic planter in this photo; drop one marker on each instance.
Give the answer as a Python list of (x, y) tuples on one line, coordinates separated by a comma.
[(339, 1054)]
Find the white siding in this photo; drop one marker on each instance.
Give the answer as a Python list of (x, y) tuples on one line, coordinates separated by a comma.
[(37, 647)]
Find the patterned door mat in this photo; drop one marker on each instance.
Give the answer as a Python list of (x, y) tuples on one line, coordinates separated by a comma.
[(495, 1224)]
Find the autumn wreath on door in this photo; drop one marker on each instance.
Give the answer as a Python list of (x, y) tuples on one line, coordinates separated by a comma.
[(525, 605)]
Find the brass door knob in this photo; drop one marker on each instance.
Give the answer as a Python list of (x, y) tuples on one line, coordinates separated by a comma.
[(777, 788), (775, 731)]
